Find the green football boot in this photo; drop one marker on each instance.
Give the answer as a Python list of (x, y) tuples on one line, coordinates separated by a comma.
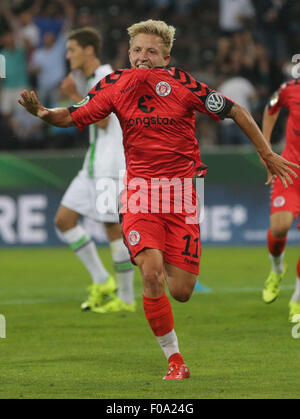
[(114, 306), (272, 286), (100, 294)]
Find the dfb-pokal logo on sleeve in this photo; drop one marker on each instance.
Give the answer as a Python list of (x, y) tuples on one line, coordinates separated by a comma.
[(82, 103), (274, 99)]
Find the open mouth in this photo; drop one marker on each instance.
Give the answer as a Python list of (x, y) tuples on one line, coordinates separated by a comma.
[(144, 66)]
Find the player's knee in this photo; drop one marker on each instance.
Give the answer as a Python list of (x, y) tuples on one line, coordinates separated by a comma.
[(280, 230), (152, 275), (182, 298), (182, 295), (281, 224), (63, 224), (59, 222), (151, 268)]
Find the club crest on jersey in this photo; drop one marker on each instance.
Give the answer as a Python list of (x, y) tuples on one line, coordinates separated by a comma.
[(215, 102), (134, 238), (279, 202), (82, 103), (163, 89)]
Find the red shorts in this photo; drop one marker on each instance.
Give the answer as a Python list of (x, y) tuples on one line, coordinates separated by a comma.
[(286, 199), (179, 242)]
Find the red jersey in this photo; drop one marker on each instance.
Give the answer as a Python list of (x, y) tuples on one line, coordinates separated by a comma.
[(289, 96), (156, 109)]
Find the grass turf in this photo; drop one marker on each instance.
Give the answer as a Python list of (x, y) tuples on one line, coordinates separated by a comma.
[(236, 346)]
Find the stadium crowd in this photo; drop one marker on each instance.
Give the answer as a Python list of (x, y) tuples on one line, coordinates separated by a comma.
[(243, 48)]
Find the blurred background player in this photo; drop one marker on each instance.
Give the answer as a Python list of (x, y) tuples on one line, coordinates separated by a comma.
[(104, 160), (285, 204)]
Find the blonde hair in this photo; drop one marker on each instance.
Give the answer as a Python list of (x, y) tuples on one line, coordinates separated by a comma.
[(154, 27)]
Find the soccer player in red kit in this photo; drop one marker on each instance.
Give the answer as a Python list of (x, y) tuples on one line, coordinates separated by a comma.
[(285, 203), (156, 108)]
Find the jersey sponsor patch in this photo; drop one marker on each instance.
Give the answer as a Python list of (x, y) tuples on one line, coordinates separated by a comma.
[(279, 202), (82, 103), (163, 89), (134, 237), (215, 102)]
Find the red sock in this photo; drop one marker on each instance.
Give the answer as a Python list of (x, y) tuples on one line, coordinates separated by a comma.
[(276, 246), (159, 314), (176, 358)]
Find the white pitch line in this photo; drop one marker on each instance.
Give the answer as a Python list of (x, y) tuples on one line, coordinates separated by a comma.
[(37, 301), (30, 301)]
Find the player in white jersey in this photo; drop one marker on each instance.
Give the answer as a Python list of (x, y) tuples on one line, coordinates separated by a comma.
[(93, 193)]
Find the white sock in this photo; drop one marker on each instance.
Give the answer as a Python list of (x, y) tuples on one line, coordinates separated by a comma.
[(124, 271), (277, 263), (296, 296), (86, 251), (169, 343)]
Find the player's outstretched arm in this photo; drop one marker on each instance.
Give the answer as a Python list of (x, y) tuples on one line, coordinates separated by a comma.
[(268, 123), (59, 117), (275, 164)]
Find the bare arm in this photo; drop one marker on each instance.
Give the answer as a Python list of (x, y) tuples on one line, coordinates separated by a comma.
[(69, 12), (269, 122), (59, 117), (247, 124), (275, 164), (10, 17)]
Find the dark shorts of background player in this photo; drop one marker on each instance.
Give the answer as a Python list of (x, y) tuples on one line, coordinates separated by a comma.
[(283, 199), (179, 242)]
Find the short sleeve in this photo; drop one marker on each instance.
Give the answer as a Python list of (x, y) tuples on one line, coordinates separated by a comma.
[(92, 109), (98, 104), (201, 98), (214, 104), (277, 101)]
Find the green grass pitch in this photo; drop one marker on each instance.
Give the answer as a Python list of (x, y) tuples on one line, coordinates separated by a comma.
[(235, 346)]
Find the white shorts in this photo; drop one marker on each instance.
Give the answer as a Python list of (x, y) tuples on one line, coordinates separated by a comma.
[(93, 198)]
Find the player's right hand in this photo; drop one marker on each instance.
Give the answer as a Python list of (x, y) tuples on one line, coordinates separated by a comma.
[(32, 105), (278, 166)]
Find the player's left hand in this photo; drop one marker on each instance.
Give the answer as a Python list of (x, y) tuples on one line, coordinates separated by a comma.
[(278, 166)]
